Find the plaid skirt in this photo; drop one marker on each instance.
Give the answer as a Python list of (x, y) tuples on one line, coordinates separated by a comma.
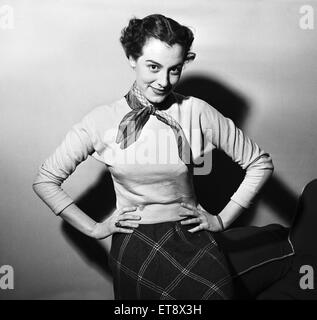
[(165, 261)]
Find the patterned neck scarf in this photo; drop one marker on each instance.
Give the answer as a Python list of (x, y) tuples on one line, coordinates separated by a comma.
[(133, 122)]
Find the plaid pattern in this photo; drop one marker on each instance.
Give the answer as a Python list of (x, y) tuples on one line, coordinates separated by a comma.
[(132, 123), (164, 261)]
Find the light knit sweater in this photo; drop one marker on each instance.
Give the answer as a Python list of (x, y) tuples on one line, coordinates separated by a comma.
[(149, 173)]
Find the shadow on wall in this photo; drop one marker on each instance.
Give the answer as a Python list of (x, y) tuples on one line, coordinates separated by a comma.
[(221, 183), (226, 175), (98, 202)]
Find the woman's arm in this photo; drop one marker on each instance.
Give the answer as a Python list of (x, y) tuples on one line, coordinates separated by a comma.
[(74, 149), (230, 213), (82, 222), (233, 210), (257, 163), (79, 220)]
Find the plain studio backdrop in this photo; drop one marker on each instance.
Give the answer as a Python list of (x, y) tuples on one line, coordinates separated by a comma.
[(255, 62)]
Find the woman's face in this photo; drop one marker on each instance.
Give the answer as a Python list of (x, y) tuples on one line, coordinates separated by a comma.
[(158, 70)]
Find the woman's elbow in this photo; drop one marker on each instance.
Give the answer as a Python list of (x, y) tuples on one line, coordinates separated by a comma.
[(269, 163), (36, 184)]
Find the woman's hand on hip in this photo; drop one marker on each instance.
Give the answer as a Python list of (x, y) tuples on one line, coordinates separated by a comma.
[(120, 221), (200, 216)]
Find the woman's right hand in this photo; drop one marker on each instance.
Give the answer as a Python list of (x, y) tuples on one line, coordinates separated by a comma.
[(108, 227)]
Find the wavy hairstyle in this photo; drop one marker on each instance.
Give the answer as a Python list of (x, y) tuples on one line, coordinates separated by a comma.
[(134, 36)]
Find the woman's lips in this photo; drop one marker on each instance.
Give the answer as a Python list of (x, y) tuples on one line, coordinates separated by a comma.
[(159, 91)]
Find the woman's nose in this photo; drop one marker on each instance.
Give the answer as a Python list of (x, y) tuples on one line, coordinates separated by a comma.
[(164, 80)]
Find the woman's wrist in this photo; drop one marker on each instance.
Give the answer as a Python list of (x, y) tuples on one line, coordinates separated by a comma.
[(230, 213), (220, 223), (79, 220), (100, 231)]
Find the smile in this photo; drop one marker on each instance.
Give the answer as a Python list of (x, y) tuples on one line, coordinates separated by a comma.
[(159, 91)]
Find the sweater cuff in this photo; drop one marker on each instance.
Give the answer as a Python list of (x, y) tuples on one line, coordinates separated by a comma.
[(53, 196), (242, 202)]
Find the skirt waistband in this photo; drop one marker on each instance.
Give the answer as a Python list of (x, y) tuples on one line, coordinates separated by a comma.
[(158, 212)]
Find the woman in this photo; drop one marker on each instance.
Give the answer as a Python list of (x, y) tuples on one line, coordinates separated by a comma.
[(164, 244)]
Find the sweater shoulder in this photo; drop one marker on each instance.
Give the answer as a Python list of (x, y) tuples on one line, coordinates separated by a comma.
[(106, 115), (198, 106)]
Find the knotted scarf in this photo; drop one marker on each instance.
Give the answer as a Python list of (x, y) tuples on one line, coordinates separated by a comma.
[(133, 122)]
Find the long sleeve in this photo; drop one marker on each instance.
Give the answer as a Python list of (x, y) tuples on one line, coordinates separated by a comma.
[(74, 149), (226, 136)]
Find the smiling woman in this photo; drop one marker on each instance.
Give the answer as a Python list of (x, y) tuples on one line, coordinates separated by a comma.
[(157, 48), (158, 70), (164, 243)]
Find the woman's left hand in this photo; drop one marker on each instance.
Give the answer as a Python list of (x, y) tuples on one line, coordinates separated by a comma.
[(206, 220)]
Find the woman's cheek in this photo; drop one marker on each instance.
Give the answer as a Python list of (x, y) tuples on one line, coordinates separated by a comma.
[(149, 78), (175, 80)]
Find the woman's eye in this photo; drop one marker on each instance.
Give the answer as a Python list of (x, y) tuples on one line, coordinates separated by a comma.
[(176, 70), (153, 67)]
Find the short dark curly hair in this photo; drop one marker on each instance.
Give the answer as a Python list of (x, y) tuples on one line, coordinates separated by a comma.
[(134, 36)]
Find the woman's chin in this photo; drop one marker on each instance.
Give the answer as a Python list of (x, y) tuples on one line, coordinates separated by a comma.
[(157, 99)]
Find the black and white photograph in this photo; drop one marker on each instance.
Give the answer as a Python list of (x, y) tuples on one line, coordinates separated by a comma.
[(158, 150)]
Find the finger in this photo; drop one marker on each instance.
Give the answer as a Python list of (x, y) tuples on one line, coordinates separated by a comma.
[(124, 230), (127, 209), (198, 228), (190, 221), (130, 217), (189, 213), (188, 206), (129, 224)]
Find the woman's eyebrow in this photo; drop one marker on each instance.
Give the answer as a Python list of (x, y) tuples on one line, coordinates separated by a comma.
[(152, 61)]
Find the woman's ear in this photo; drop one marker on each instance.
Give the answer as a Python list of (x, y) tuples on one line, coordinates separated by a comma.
[(190, 56), (132, 62)]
